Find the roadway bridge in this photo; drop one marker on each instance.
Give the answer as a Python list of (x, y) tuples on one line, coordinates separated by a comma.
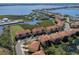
[(10, 23), (56, 8)]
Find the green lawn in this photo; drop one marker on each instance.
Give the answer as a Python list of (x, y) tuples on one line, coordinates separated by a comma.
[(46, 23), (28, 26), (15, 29)]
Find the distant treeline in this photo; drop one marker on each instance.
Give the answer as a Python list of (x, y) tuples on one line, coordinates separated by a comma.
[(13, 4)]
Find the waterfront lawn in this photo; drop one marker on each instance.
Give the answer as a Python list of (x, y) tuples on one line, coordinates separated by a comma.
[(28, 26), (44, 23)]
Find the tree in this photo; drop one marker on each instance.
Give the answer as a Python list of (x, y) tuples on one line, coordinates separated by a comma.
[(51, 50), (77, 33), (70, 48)]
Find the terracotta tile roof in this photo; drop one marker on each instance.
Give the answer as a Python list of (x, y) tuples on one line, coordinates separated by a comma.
[(57, 35), (44, 38), (34, 46), (63, 34), (19, 32), (40, 52), (23, 32), (35, 30), (27, 31), (50, 27)]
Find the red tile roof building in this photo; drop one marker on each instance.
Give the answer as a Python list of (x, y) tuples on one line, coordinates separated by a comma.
[(23, 32), (54, 36), (38, 30), (44, 38), (34, 46), (75, 24)]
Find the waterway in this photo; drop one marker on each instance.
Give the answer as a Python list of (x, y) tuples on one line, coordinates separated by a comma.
[(33, 22), (72, 12), (26, 9)]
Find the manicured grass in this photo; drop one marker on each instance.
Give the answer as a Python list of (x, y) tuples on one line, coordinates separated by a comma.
[(15, 29), (28, 26), (46, 23)]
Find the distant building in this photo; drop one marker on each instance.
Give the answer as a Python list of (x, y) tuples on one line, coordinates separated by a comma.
[(5, 20), (75, 24)]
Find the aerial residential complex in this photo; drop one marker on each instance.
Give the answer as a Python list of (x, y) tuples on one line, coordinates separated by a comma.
[(39, 30)]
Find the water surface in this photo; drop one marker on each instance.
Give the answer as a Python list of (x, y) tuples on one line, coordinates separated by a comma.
[(26, 9)]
